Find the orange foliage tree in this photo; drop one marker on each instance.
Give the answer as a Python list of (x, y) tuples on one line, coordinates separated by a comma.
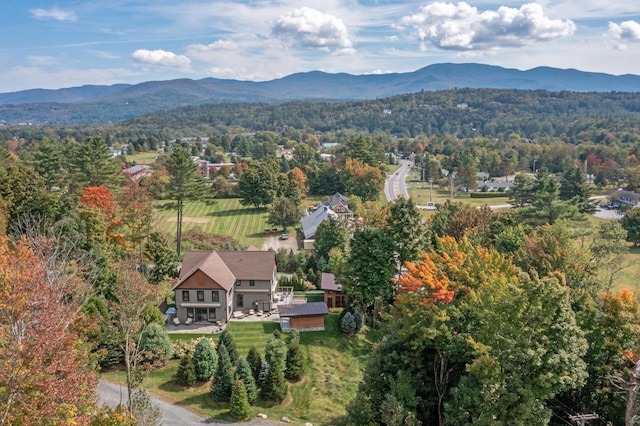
[(45, 376)]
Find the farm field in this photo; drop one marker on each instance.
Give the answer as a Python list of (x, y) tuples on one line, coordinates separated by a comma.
[(335, 367)]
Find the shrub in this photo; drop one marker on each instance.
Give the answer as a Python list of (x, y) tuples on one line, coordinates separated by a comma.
[(144, 410), (348, 325), (155, 343), (205, 360), (183, 348), (243, 373), (186, 372), (239, 406)]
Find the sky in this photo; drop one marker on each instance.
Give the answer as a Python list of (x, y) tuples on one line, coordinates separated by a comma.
[(66, 43)]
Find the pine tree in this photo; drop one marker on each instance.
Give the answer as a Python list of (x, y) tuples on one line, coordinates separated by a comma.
[(222, 383), (227, 339), (186, 372), (239, 406), (295, 360), (255, 362), (205, 360), (244, 373)]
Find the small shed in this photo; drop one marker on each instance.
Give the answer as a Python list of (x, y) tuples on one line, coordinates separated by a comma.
[(302, 316)]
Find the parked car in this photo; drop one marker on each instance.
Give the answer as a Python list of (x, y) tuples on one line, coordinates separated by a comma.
[(284, 236)]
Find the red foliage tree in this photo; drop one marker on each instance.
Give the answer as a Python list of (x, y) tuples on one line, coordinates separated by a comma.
[(45, 377)]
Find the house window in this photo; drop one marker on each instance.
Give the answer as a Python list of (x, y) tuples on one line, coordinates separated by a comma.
[(185, 296), (238, 283), (215, 296), (200, 294), (329, 302), (212, 314), (240, 300), (252, 283)]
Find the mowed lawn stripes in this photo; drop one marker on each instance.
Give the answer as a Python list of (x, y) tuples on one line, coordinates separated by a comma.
[(225, 216)]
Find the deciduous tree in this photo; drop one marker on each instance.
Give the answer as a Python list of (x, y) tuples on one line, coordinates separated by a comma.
[(45, 376)]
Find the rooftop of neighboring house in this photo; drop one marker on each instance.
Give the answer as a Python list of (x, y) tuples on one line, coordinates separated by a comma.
[(328, 282), (311, 221)]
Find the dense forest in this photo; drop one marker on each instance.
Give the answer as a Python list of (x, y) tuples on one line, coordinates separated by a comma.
[(461, 113)]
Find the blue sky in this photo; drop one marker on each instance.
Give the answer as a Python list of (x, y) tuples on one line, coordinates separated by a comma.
[(54, 44)]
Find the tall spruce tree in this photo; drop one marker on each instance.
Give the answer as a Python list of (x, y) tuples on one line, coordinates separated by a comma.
[(244, 373), (255, 362), (226, 338), (274, 387), (295, 360), (222, 383)]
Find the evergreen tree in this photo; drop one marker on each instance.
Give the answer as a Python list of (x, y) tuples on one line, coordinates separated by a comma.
[(205, 360), (244, 373), (357, 319), (155, 343), (348, 325), (186, 371), (274, 387), (185, 184), (222, 383), (295, 360), (227, 339), (239, 406), (255, 362), (262, 375)]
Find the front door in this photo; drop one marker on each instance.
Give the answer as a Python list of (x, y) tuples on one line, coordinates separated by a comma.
[(330, 302)]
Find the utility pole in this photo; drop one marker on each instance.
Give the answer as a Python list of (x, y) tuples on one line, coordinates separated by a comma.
[(581, 419), (430, 188)]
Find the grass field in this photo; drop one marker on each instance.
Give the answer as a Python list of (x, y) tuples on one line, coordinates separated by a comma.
[(144, 157), (225, 216), (335, 367)]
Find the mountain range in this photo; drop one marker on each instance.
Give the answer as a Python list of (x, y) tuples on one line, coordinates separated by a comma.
[(95, 103)]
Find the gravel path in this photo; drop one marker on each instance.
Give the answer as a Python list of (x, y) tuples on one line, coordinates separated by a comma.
[(172, 415)]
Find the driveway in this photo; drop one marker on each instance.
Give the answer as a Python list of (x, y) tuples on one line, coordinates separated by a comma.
[(274, 242), (172, 415)]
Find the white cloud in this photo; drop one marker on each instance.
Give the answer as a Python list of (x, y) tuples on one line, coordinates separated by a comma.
[(54, 13), (627, 31), (161, 58), (216, 45), (308, 27), (462, 27)]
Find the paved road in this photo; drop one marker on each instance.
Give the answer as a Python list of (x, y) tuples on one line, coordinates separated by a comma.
[(172, 415), (394, 185)]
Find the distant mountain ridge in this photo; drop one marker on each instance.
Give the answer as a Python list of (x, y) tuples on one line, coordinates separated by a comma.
[(109, 103)]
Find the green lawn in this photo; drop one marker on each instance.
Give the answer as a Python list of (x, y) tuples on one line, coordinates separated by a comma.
[(336, 364), (225, 216), (144, 157)]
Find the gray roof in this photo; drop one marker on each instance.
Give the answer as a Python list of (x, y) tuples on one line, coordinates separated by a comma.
[(328, 282), (310, 222), (302, 309)]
